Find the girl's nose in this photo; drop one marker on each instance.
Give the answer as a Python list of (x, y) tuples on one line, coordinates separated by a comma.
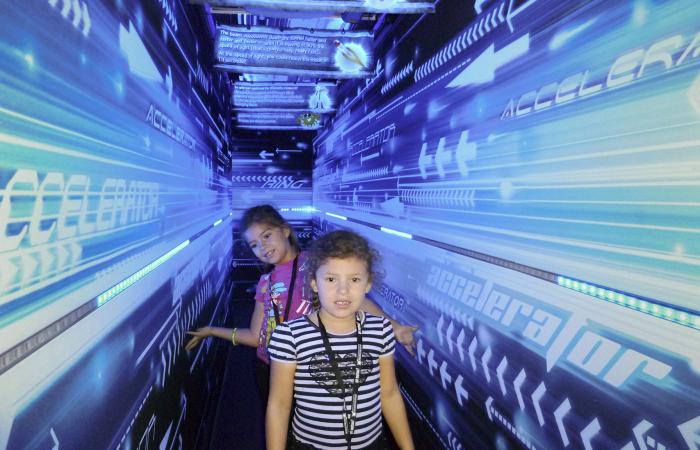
[(342, 287)]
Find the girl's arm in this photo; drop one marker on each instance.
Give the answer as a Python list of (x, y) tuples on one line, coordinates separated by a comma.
[(392, 403), (403, 333), (245, 336), (279, 404)]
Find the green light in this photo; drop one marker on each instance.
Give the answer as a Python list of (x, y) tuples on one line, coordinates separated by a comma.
[(644, 306), (131, 279)]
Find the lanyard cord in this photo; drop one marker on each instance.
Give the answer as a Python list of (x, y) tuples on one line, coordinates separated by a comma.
[(290, 293), (348, 418)]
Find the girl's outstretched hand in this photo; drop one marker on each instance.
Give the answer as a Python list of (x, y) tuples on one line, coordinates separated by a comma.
[(197, 337), (404, 334)]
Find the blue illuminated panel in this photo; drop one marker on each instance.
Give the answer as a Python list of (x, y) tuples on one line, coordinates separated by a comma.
[(534, 150), (114, 152)]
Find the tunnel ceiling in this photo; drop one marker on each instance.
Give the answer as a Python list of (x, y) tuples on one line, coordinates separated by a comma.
[(287, 59)]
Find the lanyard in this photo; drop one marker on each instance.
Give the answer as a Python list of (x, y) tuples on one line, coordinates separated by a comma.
[(348, 416), (290, 293)]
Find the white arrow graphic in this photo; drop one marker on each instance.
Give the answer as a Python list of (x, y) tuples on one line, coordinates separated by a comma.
[(488, 403), (444, 375), (87, 23), (589, 432), (478, 5), (536, 397), (460, 391), (690, 431), (440, 323), (448, 335), (421, 351), (502, 366), (460, 346), (56, 444), (483, 68), (485, 363), (424, 161), (432, 364), (517, 385), (442, 157), (466, 151), (264, 154), (472, 350), (559, 414)]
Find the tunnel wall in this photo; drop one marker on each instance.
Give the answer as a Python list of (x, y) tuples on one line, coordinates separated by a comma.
[(539, 161), (115, 227)]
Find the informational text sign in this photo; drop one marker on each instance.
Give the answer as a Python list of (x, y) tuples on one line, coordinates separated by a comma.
[(314, 97), (279, 120), (294, 51)]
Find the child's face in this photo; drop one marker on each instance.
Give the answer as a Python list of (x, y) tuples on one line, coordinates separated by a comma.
[(341, 285), (269, 243)]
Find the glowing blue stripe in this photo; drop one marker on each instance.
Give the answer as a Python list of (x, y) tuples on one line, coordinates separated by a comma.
[(396, 233), (303, 209), (337, 216), (120, 287), (218, 222), (642, 305)]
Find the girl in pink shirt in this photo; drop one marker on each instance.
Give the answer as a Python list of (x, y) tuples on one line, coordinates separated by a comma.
[(274, 243)]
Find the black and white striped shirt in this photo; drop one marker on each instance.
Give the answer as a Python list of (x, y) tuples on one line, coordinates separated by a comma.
[(318, 414)]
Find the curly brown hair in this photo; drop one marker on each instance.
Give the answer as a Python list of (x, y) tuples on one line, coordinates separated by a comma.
[(342, 244)]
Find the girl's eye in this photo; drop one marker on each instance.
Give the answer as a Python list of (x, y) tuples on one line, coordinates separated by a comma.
[(252, 246), (330, 279), (356, 279), (267, 236)]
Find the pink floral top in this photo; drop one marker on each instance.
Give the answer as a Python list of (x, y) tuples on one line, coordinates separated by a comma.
[(272, 288)]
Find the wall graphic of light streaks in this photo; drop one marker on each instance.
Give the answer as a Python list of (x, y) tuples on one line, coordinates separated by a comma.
[(114, 170), (543, 158)]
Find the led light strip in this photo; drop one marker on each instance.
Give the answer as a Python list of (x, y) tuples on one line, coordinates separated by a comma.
[(303, 209), (644, 305), (115, 290), (31, 344)]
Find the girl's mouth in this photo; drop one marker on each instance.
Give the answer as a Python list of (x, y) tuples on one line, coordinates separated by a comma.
[(269, 254)]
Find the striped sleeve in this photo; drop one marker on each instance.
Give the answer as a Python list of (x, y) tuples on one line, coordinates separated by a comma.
[(388, 339), (282, 346)]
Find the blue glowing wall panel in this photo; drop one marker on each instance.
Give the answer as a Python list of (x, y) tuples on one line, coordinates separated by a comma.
[(506, 360), (114, 168), (518, 142), (294, 51), (559, 135)]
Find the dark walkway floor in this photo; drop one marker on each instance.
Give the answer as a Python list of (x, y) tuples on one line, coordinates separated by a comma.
[(239, 419)]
